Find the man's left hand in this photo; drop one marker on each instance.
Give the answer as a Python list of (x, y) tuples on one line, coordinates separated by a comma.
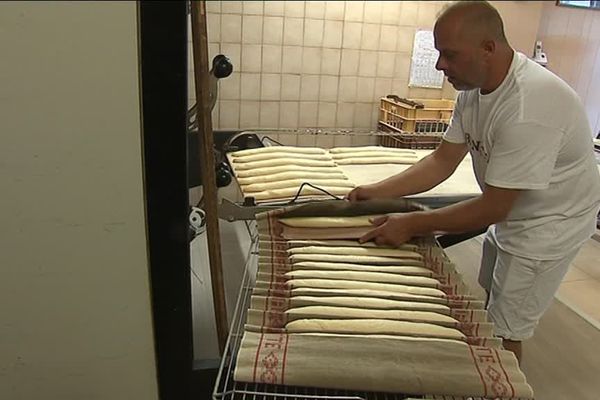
[(391, 230)]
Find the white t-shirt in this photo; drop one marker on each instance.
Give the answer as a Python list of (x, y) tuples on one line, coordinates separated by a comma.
[(532, 133)]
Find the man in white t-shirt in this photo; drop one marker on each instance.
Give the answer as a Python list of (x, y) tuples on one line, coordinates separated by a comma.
[(531, 146)]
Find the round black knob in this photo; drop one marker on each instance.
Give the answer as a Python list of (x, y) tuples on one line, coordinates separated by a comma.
[(222, 66), (223, 175)]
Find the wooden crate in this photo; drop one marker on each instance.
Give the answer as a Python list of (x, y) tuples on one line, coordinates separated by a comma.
[(415, 123)]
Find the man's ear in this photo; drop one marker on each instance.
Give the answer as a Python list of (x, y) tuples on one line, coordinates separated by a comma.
[(489, 47)]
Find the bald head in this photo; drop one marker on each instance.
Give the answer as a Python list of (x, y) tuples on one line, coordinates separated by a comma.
[(473, 20)]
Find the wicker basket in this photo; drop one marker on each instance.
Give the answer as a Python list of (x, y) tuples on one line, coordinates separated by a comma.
[(415, 124)]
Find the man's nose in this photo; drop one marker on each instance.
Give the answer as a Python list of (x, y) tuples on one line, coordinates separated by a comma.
[(440, 65)]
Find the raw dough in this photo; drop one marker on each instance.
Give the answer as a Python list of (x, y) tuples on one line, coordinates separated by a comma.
[(373, 154), (333, 312), (275, 162), (306, 190), (369, 149), (295, 183), (274, 149), (269, 156), (285, 168), (372, 326), (363, 251), (282, 176), (328, 222), (373, 303), (376, 160), (353, 259), (347, 243), (392, 269), (363, 276), (348, 284)]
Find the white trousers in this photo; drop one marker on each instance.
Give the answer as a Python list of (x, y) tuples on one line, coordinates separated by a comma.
[(520, 289)]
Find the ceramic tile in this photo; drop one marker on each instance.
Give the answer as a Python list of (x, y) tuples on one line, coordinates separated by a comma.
[(273, 30), (271, 61), (229, 88), (292, 59), (251, 58), (229, 115), (307, 118), (313, 32), (328, 88), (334, 10), (231, 31), (330, 62), (311, 60), (249, 114), (347, 92), (315, 9), (270, 87), (288, 114), (253, 7), (252, 29), (294, 8), (373, 12), (309, 87), (290, 87), (370, 37), (332, 36), (352, 35), (354, 11), (250, 86), (582, 295), (293, 31), (269, 114), (349, 62), (275, 8)]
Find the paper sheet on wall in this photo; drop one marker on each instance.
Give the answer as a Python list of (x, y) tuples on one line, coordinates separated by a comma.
[(422, 69)]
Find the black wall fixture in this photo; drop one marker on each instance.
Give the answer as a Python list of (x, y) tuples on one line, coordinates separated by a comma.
[(163, 65)]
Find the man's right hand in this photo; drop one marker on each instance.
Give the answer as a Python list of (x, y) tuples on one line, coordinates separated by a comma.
[(365, 192)]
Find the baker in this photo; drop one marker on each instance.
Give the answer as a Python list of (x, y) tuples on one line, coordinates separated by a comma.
[(531, 146)]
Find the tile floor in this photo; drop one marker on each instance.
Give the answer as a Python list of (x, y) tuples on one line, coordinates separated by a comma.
[(580, 289)]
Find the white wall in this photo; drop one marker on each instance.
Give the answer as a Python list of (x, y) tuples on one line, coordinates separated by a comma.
[(75, 316)]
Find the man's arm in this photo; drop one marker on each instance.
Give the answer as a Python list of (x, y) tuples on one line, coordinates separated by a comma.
[(424, 175), (492, 206)]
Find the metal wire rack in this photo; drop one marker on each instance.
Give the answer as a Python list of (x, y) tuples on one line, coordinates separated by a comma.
[(226, 388)]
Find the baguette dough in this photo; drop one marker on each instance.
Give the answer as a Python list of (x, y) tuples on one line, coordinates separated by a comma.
[(348, 284), (282, 176), (295, 183), (333, 312), (328, 222), (358, 251), (373, 149), (372, 327), (376, 160), (348, 243), (306, 190), (353, 259), (371, 154), (373, 303), (392, 269), (272, 155), (285, 168), (363, 276), (271, 149), (275, 162)]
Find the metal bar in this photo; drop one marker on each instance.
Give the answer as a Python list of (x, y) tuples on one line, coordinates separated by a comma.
[(200, 47)]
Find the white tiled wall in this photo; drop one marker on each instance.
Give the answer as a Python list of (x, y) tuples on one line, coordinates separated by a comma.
[(306, 64)]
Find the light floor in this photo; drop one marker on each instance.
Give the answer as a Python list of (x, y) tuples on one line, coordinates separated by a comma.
[(562, 360)]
